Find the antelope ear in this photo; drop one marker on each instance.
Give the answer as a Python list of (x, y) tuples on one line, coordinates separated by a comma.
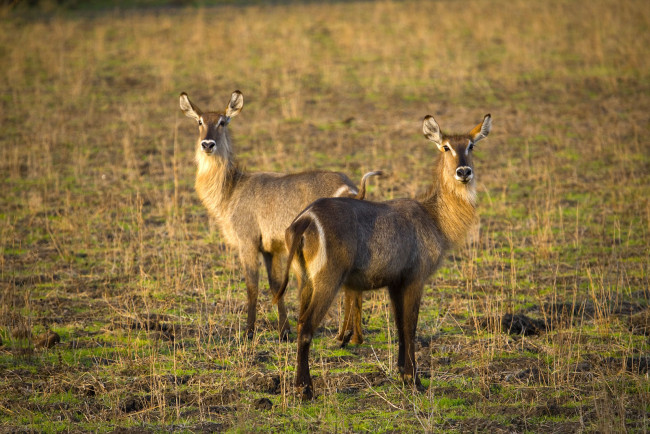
[(190, 110), (235, 105), (431, 131), (482, 130)]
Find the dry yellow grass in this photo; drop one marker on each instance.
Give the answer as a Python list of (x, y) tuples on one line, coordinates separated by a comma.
[(104, 241)]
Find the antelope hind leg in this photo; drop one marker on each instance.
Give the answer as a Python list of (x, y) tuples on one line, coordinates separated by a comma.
[(350, 330), (274, 269), (315, 300)]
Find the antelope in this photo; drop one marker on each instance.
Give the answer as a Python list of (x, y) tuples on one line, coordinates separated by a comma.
[(253, 210), (398, 244)]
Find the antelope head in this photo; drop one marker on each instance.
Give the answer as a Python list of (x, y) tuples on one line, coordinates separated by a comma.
[(456, 149), (213, 136)]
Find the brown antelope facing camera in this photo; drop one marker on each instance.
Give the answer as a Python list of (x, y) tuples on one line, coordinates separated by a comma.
[(253, 210), (398, 244)]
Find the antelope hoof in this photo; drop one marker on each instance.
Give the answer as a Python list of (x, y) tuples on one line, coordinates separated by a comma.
[(344, 338), (415, 384), (356, 339), (307, 393), (304, 388), (285, 335)]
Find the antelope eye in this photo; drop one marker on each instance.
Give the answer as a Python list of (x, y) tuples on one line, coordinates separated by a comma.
[(471, 146), (446, 148), (200, 122)]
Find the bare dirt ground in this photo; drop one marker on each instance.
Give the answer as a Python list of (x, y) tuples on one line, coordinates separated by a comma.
[(122, 309)]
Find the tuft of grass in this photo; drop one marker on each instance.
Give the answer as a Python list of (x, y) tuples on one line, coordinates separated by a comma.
[(103, 241)]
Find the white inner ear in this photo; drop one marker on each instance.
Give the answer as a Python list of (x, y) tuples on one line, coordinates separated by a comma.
[(230, 112), (235, 105), (431, 131), (186, 107), (486, 127)]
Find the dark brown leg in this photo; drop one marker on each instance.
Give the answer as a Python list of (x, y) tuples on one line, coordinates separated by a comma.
[(398, 311), (406, 303), (250, 264), (274, 269), (315, 300), (350, 330), (305, 335)]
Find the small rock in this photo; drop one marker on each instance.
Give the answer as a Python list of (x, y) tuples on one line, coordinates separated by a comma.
[(520, 324), (266, 383), (263, 404), (348, 390), (131, 405), (524, 375), (220, 409), (263, 357), (640, 323), (634, 364), (47, 340), (637, 364)]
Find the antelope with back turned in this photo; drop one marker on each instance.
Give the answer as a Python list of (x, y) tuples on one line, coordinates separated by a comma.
[(360, 245)]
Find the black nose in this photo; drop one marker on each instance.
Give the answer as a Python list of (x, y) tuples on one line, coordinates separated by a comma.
[(464, 172), (208, 145)]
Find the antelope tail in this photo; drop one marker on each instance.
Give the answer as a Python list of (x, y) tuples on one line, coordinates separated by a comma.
[(362, 188), (293, 237)]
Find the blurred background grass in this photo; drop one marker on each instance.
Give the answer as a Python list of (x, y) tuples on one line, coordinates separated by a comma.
[(100, 226)]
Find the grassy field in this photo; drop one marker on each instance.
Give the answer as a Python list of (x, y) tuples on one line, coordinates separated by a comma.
[(540, 322)]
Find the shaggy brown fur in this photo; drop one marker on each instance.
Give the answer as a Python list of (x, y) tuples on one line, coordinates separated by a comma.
[(398, 244), (253, 210)]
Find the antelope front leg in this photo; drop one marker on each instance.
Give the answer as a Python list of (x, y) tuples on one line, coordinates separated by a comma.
[(398, 311), (406, 304), (350, 330), (274, 269), (250, 264)]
